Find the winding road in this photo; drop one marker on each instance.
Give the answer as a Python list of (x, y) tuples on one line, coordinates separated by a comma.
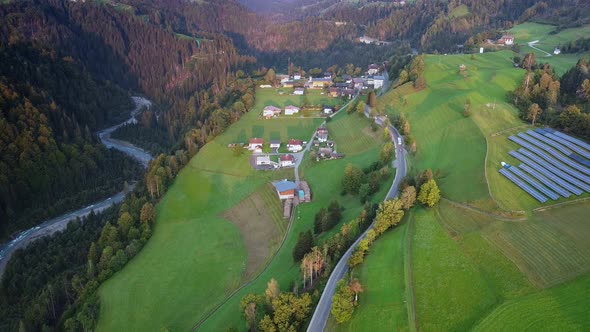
[(59, 223), (322, 311)]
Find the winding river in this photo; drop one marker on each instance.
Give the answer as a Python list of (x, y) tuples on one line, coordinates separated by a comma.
[(53, 225)]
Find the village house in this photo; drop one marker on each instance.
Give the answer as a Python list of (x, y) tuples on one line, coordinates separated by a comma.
[(285, 189), (265, 86), (275, 144), (556, 51), (334, 92), (297, 76), (322, 134), (328, 75), (373, 69), (369, 81), (320, 83), (288, 84), (347, 78), (295, 145), (299, 91), (328, 110), (378, 81), (270, 111), (286, 160), (348, 93), (325, 152), (263, 160), (358, 82), (506, 40), (290, 110), (256, 144)]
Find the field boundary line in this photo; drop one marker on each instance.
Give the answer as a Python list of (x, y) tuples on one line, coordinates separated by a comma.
[(553, 206), (237, 290), (409, 276), (480, 211), (508, 129)]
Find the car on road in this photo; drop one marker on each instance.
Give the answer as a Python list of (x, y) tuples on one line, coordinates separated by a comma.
[(399, 141)]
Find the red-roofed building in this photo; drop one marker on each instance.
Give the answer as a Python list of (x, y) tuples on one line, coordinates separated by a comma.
[(286, 160), (255, 143), (295, 145)]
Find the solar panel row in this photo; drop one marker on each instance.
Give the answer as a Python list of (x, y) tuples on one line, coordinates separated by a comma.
[(551, 160), (533, 183), (549, 142), (573, 140), (564, 142), (523, 186), (579, 159), (564, 184), (562, 159), (545, 180), (556, 170)]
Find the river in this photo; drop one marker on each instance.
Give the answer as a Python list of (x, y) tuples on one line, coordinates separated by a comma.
[(53, 225)]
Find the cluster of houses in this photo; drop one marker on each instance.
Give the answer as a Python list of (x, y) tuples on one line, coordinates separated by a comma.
[(273, 111), (256, 144), (342, 86)]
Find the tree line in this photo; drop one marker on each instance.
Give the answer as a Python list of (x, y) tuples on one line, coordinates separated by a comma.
[(545, 98)]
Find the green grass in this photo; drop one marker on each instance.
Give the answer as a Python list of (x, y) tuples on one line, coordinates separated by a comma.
[(382, 305), (549, 38), (352, 137), (459, 11), (195, 257), (564, 308), (324, 179), (271, 97)]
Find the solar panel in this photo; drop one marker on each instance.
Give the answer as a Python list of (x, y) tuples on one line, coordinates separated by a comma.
[(564, 184), (559, 156), (549, 142), (523, 186), (569, 144), (579, 159), (533, 183), (545, 181), (557, 171), (573, 140)]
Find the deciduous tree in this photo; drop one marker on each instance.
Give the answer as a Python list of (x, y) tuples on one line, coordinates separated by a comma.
[(533, 113), (342, 303), (408, 197), (429, 194)]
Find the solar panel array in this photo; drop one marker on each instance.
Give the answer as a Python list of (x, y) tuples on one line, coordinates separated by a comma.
[(555, 164)]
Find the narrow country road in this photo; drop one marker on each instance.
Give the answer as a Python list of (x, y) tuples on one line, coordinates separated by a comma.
[(532, 45), (322, 311), (59, 223)]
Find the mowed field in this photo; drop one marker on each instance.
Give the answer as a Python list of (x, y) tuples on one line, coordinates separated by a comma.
[(549, 39), (324, 179), (201, 249), (484, 250)]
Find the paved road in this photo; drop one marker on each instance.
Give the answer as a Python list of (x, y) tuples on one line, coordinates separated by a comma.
[(56, 224), (322, 311), (105, 135)]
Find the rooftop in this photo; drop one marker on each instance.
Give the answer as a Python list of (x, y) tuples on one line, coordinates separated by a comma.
[(284, 185)]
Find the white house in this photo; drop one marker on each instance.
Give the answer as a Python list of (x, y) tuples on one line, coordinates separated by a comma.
[(263, 160), (373, 69), (295, 145), (358, 82), (506, 40), (322, 134), (255, 144), (290, 110), (286, 160), (270, 111), (328, 110), (378, 81), (297, 76), (556, 51), (299, 91), (265, 86)]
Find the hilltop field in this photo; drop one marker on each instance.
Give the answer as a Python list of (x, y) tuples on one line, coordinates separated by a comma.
[(220, 226), (489, 257)]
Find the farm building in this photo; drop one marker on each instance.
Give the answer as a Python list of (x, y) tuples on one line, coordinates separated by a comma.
[(275, 144), (290, 110), (286, 160), (325, 152), (299, 91), (358, 82), (288, 84), (322, 134), (297, 76), (320, 83), (285, 189), (270, 111), (263, 160), (295, 145), (506, 40), (255, 143), (328, 110), (334, 92), (378, 81), (373, 69)]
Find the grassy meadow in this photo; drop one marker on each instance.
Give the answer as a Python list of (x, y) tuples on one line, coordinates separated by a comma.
[(489, 247), (324, 179)]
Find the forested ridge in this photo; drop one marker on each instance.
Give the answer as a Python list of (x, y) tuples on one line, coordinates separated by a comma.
[(50, 158)]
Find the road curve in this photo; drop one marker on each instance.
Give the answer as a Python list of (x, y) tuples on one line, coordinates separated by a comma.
[(59, 223), (322, 311)]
